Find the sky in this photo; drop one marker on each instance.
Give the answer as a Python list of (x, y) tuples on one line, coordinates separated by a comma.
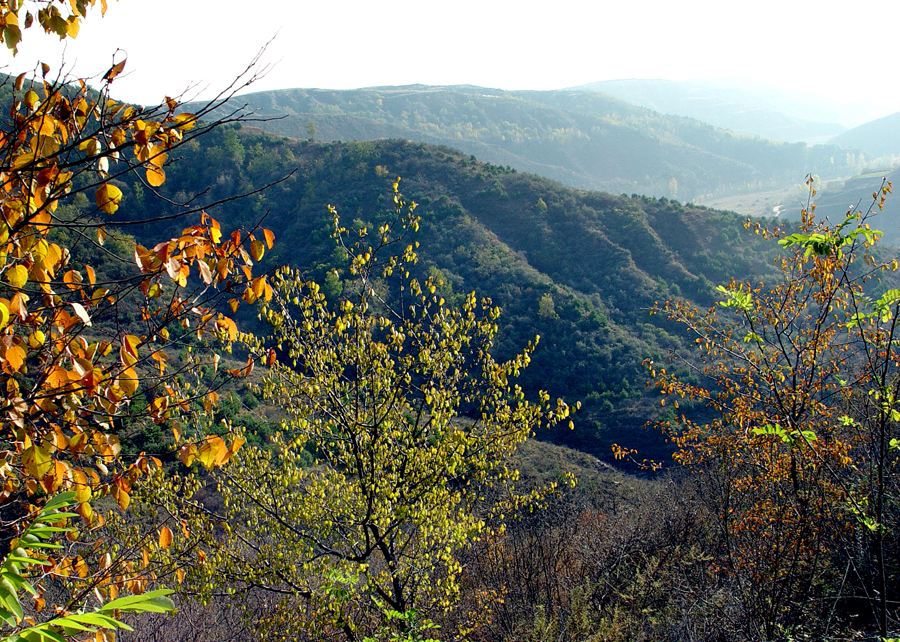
[(836, 55)]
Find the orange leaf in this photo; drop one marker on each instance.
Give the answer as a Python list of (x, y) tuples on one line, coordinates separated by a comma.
[(165, 537), (120, 493), (128, 382), (15, 357), (235, 446), (116, 69), (187, 454)]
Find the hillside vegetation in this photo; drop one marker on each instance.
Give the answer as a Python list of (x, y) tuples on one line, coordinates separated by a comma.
[(582, 269)]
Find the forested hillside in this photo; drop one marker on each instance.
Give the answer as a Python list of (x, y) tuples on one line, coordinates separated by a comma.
[(582, 138), (582, 269)]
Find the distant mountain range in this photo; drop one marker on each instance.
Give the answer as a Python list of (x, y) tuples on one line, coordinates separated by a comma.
[(767, 114), (581, 138), (740, 110)]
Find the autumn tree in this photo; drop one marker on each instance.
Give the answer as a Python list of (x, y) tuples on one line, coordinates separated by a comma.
[(84, 348), (793, 427), (394, 454)]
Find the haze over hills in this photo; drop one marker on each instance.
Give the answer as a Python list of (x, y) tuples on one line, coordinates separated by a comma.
[(582, 269), (741, 110), (581, 138), (878, 137)]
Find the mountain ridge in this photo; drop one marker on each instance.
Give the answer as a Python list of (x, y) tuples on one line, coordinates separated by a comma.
[(581, 138)]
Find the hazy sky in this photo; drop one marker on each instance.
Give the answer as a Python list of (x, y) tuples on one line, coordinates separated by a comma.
[(840, 51)]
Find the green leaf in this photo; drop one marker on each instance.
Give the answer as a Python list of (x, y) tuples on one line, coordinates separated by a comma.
[(54, 517), (11, 602), (61, 501), (98, 619), (152, 602)]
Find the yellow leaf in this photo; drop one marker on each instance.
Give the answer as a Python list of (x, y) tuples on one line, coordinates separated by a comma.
[(4, 314), (73, 27), (257, 250), (210, 400), (80, 486), (57, 378), (36, 339), (17, 276), (81, 567), (36, 461), (128, 382), (165, 537), (213, 451), (131, 343), (108, 197), (31, 99), (185, 122), (156, 176)]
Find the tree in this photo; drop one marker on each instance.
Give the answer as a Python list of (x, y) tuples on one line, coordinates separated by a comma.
[(83, 343), (394, 454), (546, 307), (797, 437)]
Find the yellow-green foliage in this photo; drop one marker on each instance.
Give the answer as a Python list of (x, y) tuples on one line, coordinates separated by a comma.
[(394, 458)]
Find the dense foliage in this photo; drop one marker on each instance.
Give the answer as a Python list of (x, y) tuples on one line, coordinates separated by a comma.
[(394, 456), (800, 460), (84, 344)]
